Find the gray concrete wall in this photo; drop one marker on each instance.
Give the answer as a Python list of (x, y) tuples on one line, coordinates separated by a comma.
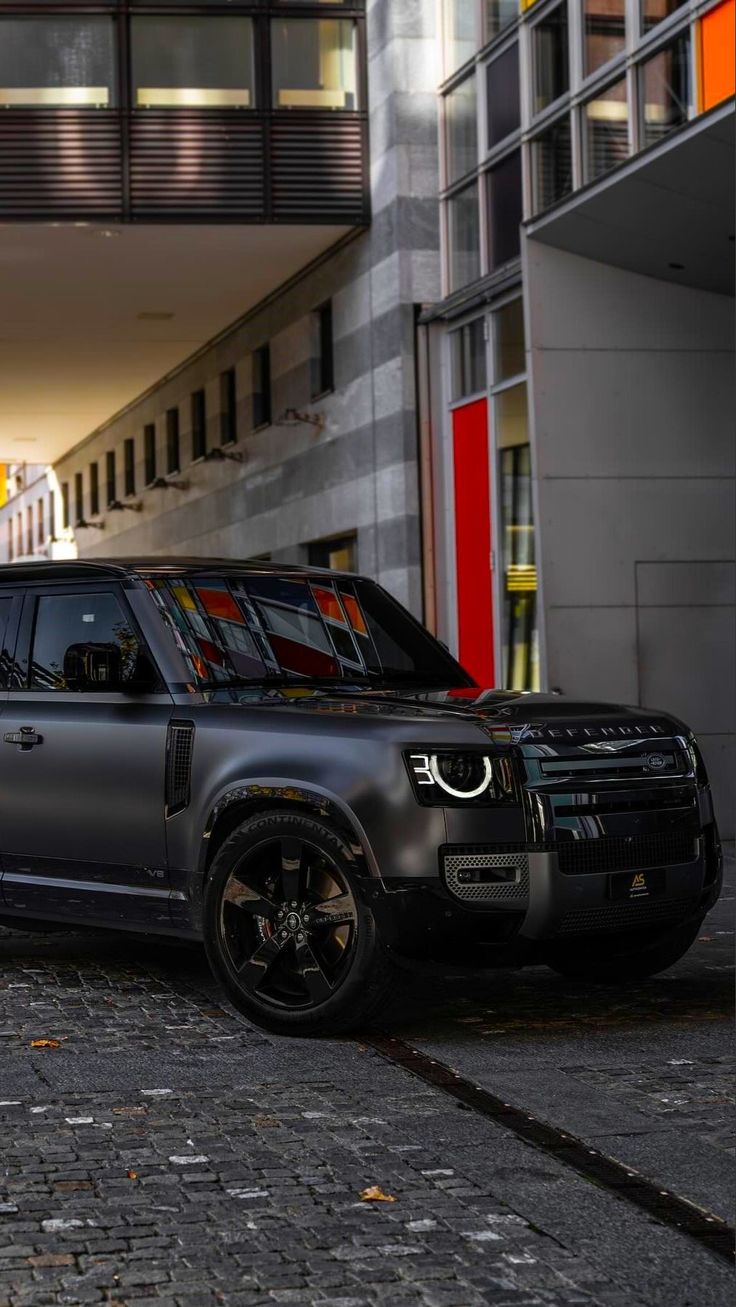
[(297, 484), (632, 389)]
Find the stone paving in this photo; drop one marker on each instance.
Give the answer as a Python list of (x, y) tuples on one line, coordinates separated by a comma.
[(159, 1150)]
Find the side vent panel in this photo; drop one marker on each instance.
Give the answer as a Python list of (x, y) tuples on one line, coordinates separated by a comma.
[(179, 747)]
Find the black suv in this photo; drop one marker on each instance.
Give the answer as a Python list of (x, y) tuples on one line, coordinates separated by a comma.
[(283, 763)]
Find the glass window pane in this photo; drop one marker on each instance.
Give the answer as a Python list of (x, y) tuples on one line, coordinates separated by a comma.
[(654, 11), (504, 107), (605, 31), (496, 14), (508, 341), (461, 130), (464, 237), (314, 63), (605, 131), (552, 159), (551, 64), (504, 210), (468, 360), (193, 61), (520, 635), (460, 33), (65, 620), (665, 90), (57, 62)]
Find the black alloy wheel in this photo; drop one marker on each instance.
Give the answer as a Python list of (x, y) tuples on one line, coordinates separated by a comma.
[(287, 930)]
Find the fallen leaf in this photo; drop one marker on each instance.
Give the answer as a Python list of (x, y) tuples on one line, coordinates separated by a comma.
[(376, 1195), (132, 1175), (267, 1121), (129, 1111), (45, 1043)]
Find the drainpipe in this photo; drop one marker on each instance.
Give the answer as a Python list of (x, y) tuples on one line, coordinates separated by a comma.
[(426, 475)]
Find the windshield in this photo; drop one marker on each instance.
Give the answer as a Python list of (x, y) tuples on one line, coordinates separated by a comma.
[(253, 629)]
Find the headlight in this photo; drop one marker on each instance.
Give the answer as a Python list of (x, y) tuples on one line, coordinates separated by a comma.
[(453, 776)]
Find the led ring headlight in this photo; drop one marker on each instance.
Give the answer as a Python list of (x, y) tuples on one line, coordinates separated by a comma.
[(461, 794)]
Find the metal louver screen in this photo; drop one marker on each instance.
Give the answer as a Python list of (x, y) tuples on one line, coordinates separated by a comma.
[(178, 766)]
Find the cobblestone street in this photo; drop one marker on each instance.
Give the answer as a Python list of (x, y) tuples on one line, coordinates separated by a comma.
[(158, 1150)]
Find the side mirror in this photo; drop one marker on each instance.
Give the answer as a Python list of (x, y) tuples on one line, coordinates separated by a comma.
[(93, 667)]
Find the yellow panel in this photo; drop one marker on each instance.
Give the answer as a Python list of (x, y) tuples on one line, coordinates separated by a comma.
[(55, 96), (312, 99), (193, 97)]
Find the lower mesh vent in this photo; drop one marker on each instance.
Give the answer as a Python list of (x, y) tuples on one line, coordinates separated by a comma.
[(464, 868), (625, 916)]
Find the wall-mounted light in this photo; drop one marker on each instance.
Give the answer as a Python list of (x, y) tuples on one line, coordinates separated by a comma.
[(217, 455), (163, 483), (117, 506), (294, 417)]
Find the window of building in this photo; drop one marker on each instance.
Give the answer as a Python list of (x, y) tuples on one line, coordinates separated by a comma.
[(497, 14), (520, 642), (78, 497), (340, 553), (94, 489), (192, 60), (459, 33), (664, 92), (655, 11), (29, 530), (504, 210), (129, 466), (550, 57), (57, 61), (461, 130), (65, 511), (111, 477), (468, 360), (552, 165), (149, 451), (322, 351), (508, 341), (199, 424), (39, 522), (228, 407), (463, 230), (605, 131), (502, 96), (52, 515), (11, 528), (605, 32), (314, 63), (65, 620), (261, 386), (173, 457)]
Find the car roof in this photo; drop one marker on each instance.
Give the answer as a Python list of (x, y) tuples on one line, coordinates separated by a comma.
[(91, 569)]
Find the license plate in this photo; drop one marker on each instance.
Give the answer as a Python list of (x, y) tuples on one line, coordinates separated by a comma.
[(637, 884)]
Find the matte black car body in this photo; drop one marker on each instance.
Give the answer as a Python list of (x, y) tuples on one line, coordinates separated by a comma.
[(114, 812)]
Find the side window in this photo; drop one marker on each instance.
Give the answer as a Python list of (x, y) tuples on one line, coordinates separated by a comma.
[(64, 620), (6, 604)]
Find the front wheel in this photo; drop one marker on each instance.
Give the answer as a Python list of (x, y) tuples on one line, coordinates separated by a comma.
[(617, 959), (288, 932)]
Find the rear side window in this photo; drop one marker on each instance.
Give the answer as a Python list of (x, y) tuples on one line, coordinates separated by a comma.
[(6, 604), (64, 620)]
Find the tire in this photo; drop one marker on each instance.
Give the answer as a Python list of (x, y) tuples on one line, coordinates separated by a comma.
[(621, 959), (288, 931)]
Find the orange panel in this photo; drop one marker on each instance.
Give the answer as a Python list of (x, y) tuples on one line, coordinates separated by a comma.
[(717, 47)]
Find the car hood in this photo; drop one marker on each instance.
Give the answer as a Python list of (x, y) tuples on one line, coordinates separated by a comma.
[(508, 715)]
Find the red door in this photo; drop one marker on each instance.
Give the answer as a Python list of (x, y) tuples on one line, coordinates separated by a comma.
[(473, 540)]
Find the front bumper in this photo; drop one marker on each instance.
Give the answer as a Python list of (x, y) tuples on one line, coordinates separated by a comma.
[(427, 918)]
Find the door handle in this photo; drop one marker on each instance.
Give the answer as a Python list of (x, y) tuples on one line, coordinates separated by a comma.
[(26, 738)]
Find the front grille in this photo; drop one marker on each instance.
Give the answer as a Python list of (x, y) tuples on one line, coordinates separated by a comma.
[(625, 766), (625, 916), (478, 858), (662, 849)]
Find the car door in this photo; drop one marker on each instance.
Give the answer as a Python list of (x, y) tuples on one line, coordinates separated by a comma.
[(82, 771)]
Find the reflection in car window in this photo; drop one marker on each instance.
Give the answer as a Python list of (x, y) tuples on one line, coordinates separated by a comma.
[(64, 620), (6, 603), (255, 628)]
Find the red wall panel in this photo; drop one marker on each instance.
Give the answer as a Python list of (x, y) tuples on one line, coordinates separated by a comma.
[(473, 540)]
